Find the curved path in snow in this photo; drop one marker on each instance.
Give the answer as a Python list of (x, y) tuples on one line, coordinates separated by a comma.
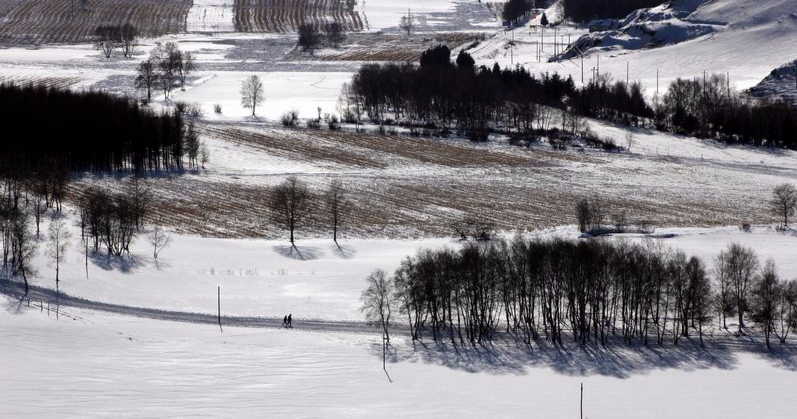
[(38, 294)]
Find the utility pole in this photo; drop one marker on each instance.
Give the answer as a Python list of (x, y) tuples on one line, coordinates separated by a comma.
[(219, 294), (512, 49), (657, 81)]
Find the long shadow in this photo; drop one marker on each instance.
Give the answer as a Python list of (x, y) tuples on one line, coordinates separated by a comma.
[(125, 264), (506, 354), (298, 252)]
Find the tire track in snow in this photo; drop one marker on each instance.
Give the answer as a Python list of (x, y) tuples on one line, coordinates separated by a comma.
[(16, 290)]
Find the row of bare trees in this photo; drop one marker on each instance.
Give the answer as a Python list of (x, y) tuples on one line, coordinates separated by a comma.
[(291, 203), (108, 38), (27, 193), (113, 220), (592, 289)]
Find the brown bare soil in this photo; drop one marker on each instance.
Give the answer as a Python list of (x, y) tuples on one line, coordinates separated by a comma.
[(411, 187), (54, 82), (66, 21), (283, 16)]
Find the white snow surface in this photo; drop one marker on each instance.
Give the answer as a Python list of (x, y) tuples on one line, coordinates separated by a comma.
[(317, 280), (745, 39), (96, 365)]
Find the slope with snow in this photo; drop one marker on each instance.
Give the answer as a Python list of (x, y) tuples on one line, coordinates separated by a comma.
[(745, 39), (781, 83)]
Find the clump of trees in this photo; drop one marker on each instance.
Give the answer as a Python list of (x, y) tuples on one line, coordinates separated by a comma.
[(516, 10), (108, 38), (112, 220), (439, 94), (710, 108), (592, 289), (166, 69), (105, 133), (783, 202), (311, 36), (292, 204)]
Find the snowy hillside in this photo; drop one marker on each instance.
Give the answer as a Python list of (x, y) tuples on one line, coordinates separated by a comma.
[(781, 83), (746, 39)]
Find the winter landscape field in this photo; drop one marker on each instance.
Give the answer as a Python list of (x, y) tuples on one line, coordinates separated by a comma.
[(370, 208)]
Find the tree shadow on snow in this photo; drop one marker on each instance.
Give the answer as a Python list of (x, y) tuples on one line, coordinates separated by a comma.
[(510, 355), (125, 264), (298, 252), (344, 252)]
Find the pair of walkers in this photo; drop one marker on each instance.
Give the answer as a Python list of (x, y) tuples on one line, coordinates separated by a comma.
[(287, 321)]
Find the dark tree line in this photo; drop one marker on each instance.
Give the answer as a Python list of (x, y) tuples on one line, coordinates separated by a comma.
[(516, 10), (709, 108), (439, 93), (87, 131), (585, 10), (587, 290)]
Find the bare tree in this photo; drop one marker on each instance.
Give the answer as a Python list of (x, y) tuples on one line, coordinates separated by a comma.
[(252, 93), (629, 141), (147, 77), (39, 208), (377, 300), (127, 35), (787, 310), (204, 154), (407, 23), (784, 202), (589, 215), (57, 245), (106, 39), (741, 265), (24, 248), (289, 204), (159, 241), (188, 66), (723, 298), (168, 60), (140, 197), (765, 295), (338, 206)]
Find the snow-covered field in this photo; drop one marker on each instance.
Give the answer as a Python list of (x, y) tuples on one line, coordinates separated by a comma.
[(99, 365), (96, 364)]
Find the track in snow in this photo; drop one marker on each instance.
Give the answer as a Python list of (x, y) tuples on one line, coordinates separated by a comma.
[(35, 294)]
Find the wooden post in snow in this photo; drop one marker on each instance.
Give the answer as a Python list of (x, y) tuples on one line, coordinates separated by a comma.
[(581, 405), (219, 299)]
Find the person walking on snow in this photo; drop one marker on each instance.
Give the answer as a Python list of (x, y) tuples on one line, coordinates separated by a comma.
[(285, 321), (289, 321)]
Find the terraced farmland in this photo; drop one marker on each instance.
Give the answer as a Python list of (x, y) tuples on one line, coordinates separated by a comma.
[(68, 21), (283, 16)]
